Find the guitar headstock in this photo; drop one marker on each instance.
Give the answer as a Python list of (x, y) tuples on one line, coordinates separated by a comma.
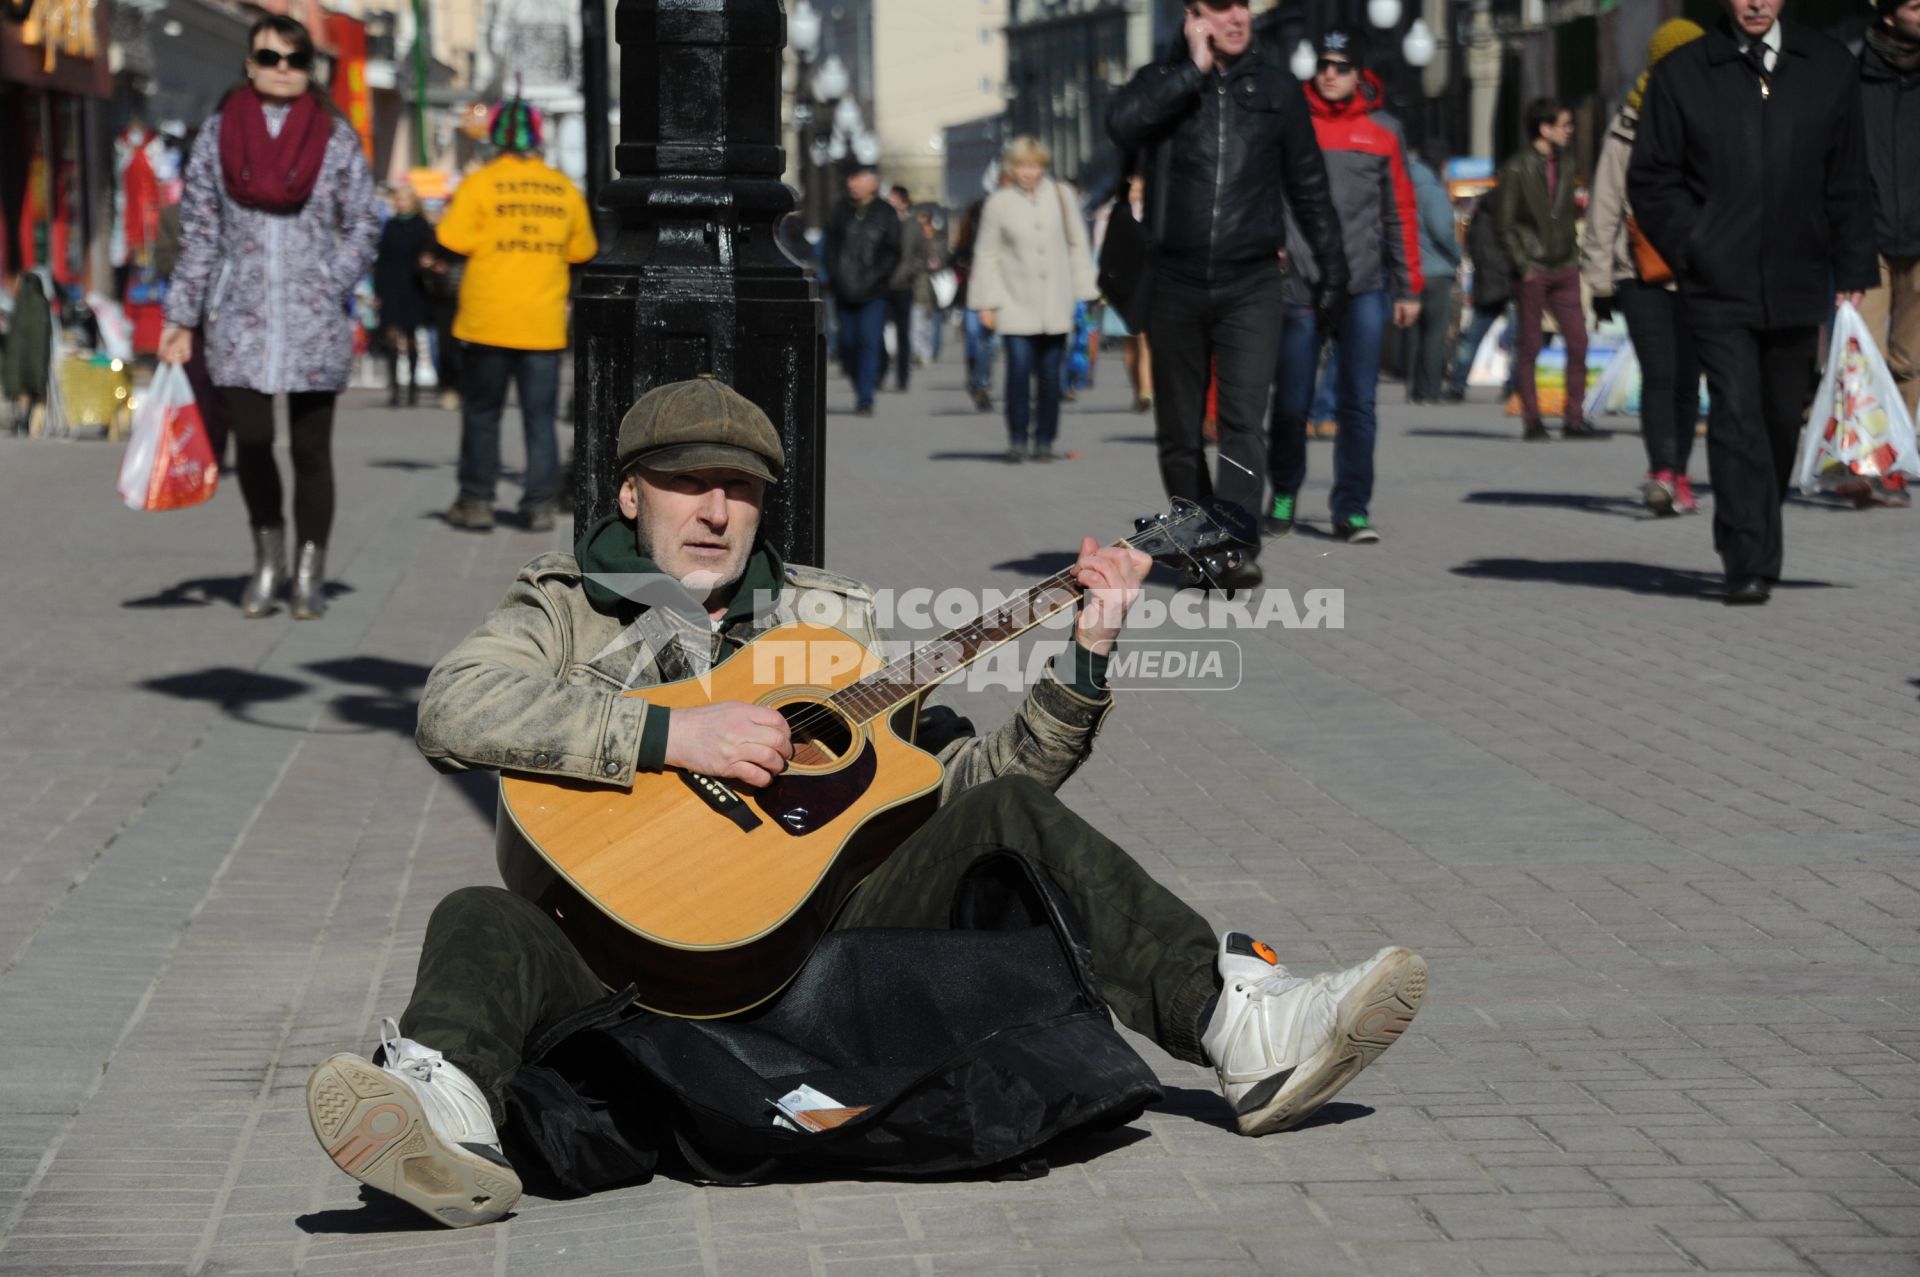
[(1209, 536)]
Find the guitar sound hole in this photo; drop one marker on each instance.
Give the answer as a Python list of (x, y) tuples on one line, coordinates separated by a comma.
[(820, 734)]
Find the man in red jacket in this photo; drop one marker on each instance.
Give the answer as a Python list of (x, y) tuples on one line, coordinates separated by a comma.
[(1373, 198)]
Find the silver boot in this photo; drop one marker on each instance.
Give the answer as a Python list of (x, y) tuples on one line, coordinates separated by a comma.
[(269, 572), (310, 582)]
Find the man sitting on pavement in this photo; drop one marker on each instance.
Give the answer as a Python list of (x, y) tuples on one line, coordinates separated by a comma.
[(526, 691)]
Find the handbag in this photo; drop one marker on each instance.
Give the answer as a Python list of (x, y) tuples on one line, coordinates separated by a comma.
[(1647, 262), (1126, 260)]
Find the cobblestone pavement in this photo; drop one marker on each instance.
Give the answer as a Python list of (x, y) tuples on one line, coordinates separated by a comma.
[(1660, 854)]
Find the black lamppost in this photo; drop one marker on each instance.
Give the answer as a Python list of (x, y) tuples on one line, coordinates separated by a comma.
[(694, 278)]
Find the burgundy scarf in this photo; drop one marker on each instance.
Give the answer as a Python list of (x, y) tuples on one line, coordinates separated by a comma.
[(273, 174)]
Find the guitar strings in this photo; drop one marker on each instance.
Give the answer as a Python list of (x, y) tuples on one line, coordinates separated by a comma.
[(888, 675)]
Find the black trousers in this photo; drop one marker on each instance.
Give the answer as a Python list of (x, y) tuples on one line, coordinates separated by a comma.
[(493, 967), (1759, 382), (900, 315), (1229, 330), (310, 443), (1669, 373), (1426, 343)]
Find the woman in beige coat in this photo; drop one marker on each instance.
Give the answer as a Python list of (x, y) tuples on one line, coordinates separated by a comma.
[(1030, 265)]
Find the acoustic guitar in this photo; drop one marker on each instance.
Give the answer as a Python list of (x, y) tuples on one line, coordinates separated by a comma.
[(709, 894)]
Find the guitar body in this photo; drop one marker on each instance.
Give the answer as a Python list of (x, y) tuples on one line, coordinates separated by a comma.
[(707, 894)]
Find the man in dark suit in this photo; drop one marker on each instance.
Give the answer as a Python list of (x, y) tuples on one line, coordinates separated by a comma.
[(1749, 175)]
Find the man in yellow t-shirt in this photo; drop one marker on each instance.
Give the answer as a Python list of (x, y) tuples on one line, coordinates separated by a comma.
[(520, 223)]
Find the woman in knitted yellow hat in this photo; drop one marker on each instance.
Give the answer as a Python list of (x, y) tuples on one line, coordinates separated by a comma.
[(1623, 273)]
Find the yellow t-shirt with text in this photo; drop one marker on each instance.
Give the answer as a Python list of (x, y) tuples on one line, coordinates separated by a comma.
[(519, 222)]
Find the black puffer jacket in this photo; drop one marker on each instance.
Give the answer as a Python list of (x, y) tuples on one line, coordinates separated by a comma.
[(863, 247), (1231, 150), (1890, 105)]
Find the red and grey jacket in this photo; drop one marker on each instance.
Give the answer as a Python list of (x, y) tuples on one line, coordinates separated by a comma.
[(1372, 196)]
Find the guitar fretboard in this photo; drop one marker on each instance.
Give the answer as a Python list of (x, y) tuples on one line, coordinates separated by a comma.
[(902, 679)]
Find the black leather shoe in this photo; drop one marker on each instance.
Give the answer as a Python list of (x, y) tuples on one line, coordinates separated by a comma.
[(1536, 434), (1748, 592), (1580, 430)]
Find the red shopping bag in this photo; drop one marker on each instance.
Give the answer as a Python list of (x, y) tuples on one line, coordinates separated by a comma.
[(169, 462)]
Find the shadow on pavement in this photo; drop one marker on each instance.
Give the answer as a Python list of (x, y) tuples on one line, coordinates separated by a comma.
[(1128, 439), (404, 463), (1591, 503), (998, 456), (378, 1213), (1207, 1108), (1451, 432), (1615, 574), (386, 705), (204, 591)]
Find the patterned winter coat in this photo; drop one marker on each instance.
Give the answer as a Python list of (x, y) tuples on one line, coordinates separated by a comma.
[(272, 288)]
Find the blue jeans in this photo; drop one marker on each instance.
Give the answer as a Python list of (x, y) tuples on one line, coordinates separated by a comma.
[(1323, 391), (1356, 371), (1026, 358), (979, 352), (863, 339), (484, 374)]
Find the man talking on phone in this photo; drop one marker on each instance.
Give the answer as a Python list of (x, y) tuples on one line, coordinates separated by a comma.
[(1227, 147)]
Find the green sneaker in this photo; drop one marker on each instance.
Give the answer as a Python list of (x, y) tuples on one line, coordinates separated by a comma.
[(1355, 530), (1280, 522)]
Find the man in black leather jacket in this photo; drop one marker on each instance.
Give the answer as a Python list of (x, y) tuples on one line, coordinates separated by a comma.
[(1229, 148), (863, 247)]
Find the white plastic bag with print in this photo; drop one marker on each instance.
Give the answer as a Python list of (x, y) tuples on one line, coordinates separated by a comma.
[(1859, 429), (1617, 384), (169, 463)]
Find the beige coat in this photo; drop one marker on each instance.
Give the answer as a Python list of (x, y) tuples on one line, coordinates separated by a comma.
[(1605, 253), (537, 688), (1031, 262)]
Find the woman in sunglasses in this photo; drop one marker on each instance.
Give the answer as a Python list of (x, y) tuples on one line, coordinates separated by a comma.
[(277, 225)]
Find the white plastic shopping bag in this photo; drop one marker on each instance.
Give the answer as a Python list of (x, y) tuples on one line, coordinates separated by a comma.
[(1859, 428), (1609, 394), (169, 463)]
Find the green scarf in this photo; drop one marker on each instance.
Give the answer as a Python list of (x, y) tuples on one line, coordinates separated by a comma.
[(1900, 55), (609, 546)]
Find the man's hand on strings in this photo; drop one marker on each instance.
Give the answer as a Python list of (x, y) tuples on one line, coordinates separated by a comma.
[(731, 740), (1113, 576)]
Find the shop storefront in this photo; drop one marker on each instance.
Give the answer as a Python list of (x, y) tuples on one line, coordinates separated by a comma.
[(56, 157)]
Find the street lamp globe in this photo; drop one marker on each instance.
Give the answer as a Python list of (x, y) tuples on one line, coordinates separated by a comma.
[(830, 81), (1418, 48), (846, 117), (1303, 63), (803, 29), (866, 148), (1383, 14)]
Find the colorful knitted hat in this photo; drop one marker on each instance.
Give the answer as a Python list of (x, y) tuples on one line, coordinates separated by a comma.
[(515, 125)]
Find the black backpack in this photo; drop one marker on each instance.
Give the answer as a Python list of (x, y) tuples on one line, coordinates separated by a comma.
[(970, 1049)]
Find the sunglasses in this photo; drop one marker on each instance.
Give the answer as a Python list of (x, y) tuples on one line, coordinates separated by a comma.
[(268, 59), (1335, 65)]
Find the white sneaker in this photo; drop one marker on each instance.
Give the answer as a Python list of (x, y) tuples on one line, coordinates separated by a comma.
[(414, 1126), (1284, 1045)]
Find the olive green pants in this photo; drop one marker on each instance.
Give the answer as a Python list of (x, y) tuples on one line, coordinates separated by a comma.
[(493, 967)]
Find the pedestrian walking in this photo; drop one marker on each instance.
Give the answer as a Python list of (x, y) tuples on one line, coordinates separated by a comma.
[(399, 288), (1379, 221), (980, 343), (1426, 345), (1537, 218), (520, 224), (1890, 98), (1749, 176), (929, 315), (1621, 274), (1227, 146), (1031, 264), (441, 271), (1134, 352), (1492, 294), (863, 248), (277, 227), (908, 278)]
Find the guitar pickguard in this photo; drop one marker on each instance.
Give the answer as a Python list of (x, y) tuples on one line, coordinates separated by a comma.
[(800, 803)]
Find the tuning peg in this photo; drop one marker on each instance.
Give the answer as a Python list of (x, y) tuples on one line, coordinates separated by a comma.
[(1233, 559), (1142, 523)]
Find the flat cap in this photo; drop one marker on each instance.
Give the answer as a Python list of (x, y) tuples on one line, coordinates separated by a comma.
[(698, 425)]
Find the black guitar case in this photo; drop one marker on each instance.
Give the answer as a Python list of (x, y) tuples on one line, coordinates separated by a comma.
[(970, 1049)]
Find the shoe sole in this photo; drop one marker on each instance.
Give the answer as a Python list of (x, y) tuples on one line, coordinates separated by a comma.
[(1660, 502), (1361, 538), (1370, 1019), (374, 1130)]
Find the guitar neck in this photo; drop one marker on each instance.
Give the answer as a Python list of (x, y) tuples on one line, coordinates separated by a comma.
[(901, 680)]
